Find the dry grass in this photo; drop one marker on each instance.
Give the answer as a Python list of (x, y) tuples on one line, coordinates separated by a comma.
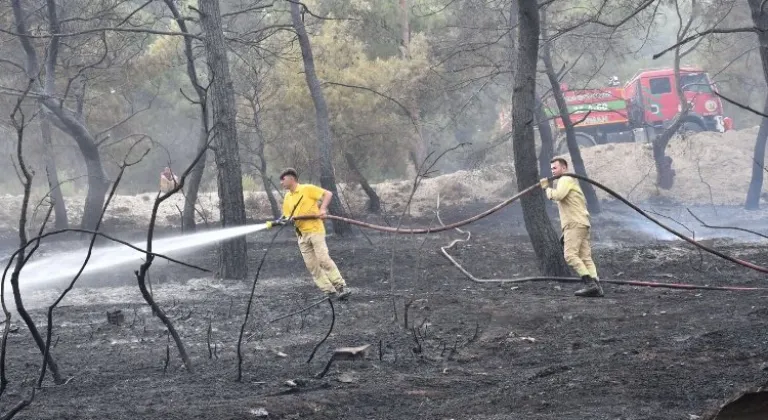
[(720, 161)]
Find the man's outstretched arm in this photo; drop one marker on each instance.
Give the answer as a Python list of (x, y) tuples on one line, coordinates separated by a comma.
[(327, 196)]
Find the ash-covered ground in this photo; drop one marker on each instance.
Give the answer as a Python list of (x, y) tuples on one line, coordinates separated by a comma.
[(465, 351)]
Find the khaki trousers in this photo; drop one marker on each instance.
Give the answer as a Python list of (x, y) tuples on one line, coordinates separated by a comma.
[(319, 263), (578, 250)]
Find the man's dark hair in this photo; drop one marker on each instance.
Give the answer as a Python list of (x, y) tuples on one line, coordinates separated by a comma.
[(560, 161), (288, 171)]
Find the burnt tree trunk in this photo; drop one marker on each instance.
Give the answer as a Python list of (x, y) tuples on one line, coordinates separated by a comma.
[(195, 177), (59, 205), (324, 137), (758, 164), (65, 119), (374, 203), (98, 184), (276, 211), (547, 151), (260, 145), (268, 188), (233, 252), (194, 180), (665, 175), (32, 69), (33, 72), (543, 237), (760, 20), (593, 204)]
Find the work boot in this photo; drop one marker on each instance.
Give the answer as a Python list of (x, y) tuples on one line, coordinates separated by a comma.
[(600, 286), (593, 289), (331, 295), (343, 292)]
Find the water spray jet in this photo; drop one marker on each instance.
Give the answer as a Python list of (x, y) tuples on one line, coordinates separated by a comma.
[(66, 265)]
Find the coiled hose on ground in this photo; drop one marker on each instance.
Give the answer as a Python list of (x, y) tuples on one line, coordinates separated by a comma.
[(516, 197)]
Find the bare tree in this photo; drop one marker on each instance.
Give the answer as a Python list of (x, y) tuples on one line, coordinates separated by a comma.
[(34, 72), (196, 176), (259, 146), (69, 121), (665, 175), (233, 252), (418, 148), (59, 206), (324, 136), (593, 204), (19, 122), (760, 19), (537, 222), (374, 202)]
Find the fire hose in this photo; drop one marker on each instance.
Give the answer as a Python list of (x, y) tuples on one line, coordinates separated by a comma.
[(525, 192)]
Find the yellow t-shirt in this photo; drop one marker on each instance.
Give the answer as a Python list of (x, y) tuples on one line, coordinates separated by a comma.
[(570, 202), (309, 195)]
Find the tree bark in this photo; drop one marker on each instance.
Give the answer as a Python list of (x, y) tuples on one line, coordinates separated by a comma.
[(232, 253), (276, 211), (665, 175), (268, 187), (325, 139), (593, 204), (760, 20), (537, 222), (98, 184), (374, 202), (418, 150), (59, 206), (65, 119), (196, 175), (195, 179), (758, 165), (547, 140), (33, 72)]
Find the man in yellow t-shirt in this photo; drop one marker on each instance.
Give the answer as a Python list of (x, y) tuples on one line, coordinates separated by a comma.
[(302, 200), (574, 221)]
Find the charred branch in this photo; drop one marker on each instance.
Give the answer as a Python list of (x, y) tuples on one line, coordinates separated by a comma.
[(328, 334)]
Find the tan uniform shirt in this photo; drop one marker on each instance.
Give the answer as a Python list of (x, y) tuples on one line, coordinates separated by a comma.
[(570, 201)]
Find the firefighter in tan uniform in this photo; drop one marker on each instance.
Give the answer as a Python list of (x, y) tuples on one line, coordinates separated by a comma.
[(302, 200), (574, 221)]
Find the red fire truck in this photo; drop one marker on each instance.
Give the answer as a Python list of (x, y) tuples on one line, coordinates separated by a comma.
[(644, 107)]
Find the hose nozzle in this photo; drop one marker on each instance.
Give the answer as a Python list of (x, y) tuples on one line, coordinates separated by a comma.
[(278, 222)]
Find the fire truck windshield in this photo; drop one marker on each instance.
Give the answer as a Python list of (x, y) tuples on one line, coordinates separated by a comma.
[(695, 82)]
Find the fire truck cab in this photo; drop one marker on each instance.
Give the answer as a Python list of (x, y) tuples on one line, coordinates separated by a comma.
[(653, 102), (641, 109)]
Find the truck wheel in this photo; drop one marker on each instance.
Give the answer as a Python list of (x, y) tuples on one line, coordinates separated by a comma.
[(582, 139), (690, 128)]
